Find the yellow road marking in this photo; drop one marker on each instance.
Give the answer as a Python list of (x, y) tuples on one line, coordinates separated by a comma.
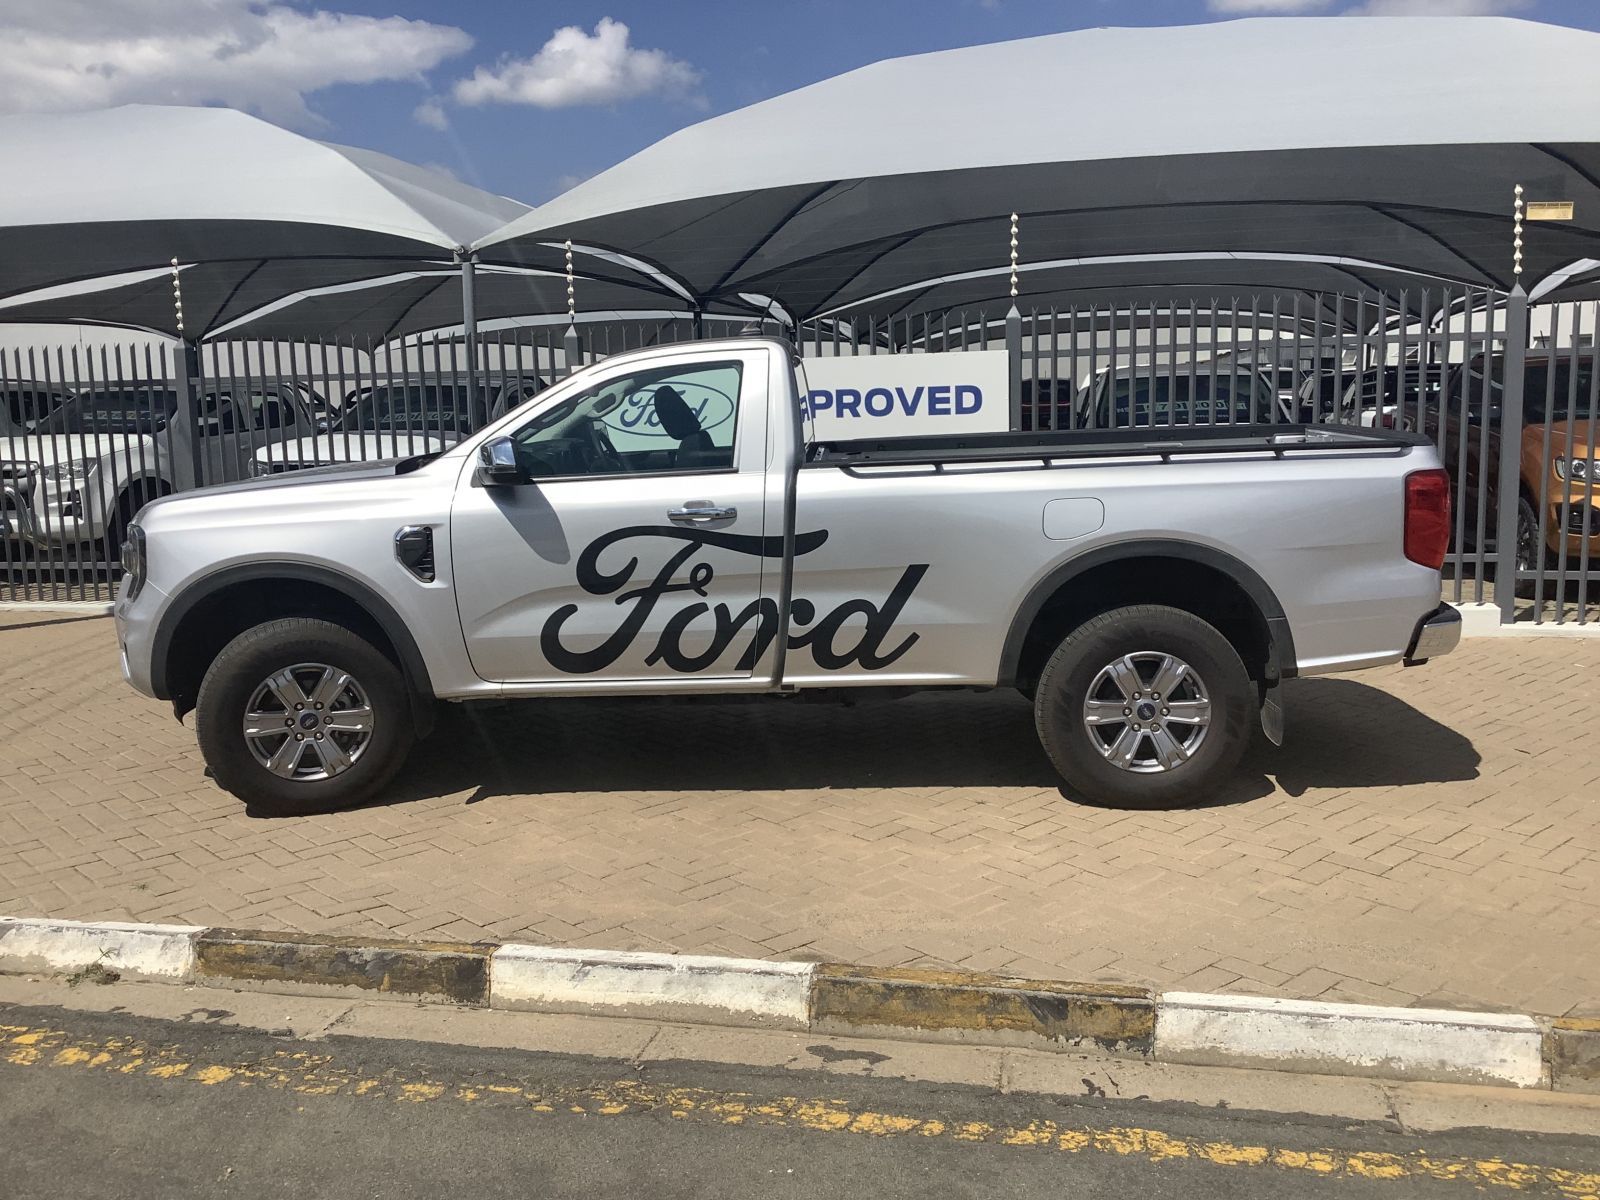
[(307, 1074)]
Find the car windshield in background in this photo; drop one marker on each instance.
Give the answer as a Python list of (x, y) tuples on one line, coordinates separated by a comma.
[(422, 409), (1539, 398), (137, 410), (1540, 401), (21, 408), (1186, 401)]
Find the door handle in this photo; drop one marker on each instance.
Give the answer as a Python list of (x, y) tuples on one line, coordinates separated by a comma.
[(700, 513)]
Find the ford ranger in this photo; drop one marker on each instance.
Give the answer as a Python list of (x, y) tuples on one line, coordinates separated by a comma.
[(660, 524)]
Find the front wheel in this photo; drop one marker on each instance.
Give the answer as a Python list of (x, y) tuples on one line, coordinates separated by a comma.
[(1145, 707), (300, 716), (1532, 554)]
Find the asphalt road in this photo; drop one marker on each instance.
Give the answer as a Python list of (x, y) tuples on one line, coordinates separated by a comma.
[(115, 1105)]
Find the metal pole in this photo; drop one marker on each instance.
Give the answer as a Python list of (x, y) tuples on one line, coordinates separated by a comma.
[(1509, 481), (477, 402), (1510, 473), (1014, 338), (187, 369)]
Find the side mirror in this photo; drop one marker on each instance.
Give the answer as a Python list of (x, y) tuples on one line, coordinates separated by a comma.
[(497, 464)]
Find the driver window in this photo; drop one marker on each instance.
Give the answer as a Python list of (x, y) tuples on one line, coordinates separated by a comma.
[(664, 420)]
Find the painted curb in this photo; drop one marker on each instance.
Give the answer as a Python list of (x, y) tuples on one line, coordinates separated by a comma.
[(929, 1005), (133, 951), (82, 608), (686, 986), (435, 972), (1572, 1048), (1483, 620), (960, 1006), (1350, 1039)]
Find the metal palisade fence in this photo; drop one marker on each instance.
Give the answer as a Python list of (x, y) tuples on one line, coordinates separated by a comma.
[(1508, 395)]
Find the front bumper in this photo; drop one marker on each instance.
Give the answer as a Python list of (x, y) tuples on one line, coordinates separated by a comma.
[(136, 630), (1437, 633)]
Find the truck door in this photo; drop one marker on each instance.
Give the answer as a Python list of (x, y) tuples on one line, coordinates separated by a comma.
[(642, 545)]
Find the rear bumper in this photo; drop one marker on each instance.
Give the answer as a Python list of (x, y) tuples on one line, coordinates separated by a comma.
[(1437, 633)]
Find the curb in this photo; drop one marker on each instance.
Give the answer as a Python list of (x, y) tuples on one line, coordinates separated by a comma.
[(1438, 1045), (958, 1006)]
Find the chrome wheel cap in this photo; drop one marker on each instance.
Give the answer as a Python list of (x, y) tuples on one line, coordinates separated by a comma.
[(308, 722), (1147, 712)]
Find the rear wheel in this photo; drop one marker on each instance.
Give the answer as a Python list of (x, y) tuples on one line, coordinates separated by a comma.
[(1144, 707), (302, 716)]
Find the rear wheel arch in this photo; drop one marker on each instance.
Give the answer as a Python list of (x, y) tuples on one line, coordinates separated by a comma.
[(213, 610), (1201, 580)]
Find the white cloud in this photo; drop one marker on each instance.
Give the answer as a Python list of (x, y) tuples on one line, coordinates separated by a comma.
[(431, 113), (1438, 8), (575, 67), (1266, 6), (65, 55), (1371, 8)]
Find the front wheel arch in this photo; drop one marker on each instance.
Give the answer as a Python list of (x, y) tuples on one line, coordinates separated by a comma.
[(212, 611)]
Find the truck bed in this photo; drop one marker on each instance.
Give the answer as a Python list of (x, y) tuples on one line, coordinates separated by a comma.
[(1165, 443)]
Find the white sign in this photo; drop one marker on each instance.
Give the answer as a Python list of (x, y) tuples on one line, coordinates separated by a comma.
[(908, 395)]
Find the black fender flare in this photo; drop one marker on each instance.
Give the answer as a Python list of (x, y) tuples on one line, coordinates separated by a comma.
[(1280, 641), (412, 664)]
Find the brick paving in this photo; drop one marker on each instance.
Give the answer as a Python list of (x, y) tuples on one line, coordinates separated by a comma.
[(1427, 837)]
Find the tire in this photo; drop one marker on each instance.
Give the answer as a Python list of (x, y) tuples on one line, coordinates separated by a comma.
[(1532, 553), (309, 660), (1090, 667)]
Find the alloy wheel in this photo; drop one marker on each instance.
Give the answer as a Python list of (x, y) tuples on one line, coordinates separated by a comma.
[(1147, 712)]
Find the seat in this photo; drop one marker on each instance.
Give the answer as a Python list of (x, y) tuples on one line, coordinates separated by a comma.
[(695, 447)]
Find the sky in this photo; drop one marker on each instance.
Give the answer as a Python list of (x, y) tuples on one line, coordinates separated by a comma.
[(528, 97)]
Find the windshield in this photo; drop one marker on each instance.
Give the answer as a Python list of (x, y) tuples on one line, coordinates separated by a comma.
[(1541, 402), (1186, 401), (414, 407), (135, 410), (21, 408)]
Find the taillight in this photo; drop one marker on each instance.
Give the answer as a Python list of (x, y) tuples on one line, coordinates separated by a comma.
[(1427, 518)]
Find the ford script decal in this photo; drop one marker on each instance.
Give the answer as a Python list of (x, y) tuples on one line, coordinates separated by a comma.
[(821, 634)]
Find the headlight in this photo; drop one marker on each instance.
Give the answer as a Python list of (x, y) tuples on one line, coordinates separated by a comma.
[(77, 468), (1577, 470), (133, 562)]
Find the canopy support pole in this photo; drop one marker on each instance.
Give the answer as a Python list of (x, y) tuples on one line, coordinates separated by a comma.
[(1014, 339), (186, 370), (1510, 479), (479, 405)]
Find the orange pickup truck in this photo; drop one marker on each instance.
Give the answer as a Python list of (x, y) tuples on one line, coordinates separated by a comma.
[(1558, 506)]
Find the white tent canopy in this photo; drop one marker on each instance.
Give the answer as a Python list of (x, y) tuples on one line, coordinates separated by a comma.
[(1377, 139), (264, 211)]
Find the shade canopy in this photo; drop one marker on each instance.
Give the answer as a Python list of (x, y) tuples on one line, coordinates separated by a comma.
[(257, 210), (400, 305), (1372, 139), (289, 298), (1347, 293)]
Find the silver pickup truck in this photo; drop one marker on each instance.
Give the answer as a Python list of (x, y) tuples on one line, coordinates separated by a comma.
[(660, 523)]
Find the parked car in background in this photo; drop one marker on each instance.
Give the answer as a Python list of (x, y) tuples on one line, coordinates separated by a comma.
[(399, 419), (1184, 394), (23, 404), (1558, 497), (82, 473)]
